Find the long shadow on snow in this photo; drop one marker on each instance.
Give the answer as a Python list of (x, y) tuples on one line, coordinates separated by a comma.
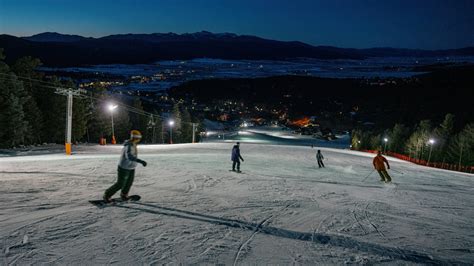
[(340, 241)]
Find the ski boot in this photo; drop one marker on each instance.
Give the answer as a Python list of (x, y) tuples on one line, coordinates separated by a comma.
[(107, 199), (124, 197)]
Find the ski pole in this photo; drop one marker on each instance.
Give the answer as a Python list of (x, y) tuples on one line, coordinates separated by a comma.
[(368, 175)]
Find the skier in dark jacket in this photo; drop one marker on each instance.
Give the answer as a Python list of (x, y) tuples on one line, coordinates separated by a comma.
[(320, 158), (236, 157), (126, 168)]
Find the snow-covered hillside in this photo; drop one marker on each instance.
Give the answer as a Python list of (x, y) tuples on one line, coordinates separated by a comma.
[(275, 136), (282, 209)]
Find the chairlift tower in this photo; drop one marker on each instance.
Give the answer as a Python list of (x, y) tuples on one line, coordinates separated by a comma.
[(70, 93)]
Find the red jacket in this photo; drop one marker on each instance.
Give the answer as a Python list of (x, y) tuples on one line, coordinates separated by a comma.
[(379, 163)]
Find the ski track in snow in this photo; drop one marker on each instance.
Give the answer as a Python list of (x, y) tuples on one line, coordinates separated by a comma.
[(257, 228), (281, 210)]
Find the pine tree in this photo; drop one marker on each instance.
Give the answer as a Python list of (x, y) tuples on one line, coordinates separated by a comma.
[(443, 134), (461, 148), (25, 67), (12, 118), (79, 119), (366, 140), (54, 108), (186, 127), (397, 138), (418, 141), (97, 123), (376, 142)]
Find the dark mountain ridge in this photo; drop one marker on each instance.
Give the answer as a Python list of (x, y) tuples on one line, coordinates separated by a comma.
[(55, 49)]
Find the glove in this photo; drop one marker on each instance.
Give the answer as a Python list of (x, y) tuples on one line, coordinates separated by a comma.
[(242, 160), (388, 167), (144, 163)]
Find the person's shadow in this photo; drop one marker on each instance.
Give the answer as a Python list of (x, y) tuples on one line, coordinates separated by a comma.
[(320, 238)]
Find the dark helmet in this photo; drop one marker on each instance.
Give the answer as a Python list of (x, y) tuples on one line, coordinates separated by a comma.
[(319, 150)]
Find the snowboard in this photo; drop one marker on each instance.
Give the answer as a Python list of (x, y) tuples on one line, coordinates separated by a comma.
[(100, 203), (238, 172)]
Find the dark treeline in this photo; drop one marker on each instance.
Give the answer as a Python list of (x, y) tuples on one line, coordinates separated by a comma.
[(380, 101), (447, 145), (32, 113)]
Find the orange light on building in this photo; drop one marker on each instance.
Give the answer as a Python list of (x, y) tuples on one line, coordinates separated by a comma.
[(305, 121)]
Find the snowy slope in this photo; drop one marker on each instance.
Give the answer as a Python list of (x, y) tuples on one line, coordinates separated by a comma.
[(193, 210), (276, 136)]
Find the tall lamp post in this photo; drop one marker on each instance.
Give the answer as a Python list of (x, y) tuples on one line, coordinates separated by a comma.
[(112, 107), (431, 142), (171, 123), (385, 147)]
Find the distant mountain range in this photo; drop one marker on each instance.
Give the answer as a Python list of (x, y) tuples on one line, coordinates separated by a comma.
[(55, 49)]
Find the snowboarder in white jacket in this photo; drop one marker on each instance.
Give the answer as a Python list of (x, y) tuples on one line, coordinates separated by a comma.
[(236, 157), (126, 168), (320, 158)]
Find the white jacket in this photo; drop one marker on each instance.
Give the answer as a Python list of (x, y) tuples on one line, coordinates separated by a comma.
[(128, 159)]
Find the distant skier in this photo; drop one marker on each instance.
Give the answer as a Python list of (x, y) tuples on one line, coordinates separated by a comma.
[(379, 165), (126, 168), (236, 157), (320, 158)]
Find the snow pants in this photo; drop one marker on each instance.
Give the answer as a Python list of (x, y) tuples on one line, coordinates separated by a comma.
[(384, 176), (320, 163), (124, 182), (234, 163)]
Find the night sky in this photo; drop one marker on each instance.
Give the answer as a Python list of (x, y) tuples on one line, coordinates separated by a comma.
[(425, 24)]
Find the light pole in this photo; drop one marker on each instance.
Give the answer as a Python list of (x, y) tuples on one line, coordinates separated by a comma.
[(112, 107), (385, 147), (431, 142), (171, 123)]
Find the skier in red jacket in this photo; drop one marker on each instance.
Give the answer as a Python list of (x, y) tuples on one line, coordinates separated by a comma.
[(379, 165)]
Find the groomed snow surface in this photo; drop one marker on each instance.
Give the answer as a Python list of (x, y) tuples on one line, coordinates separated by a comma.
[(281, 210)]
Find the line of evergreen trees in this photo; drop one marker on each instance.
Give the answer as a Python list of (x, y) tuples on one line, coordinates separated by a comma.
[(183, 124), (32, 113), (448, 147)]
